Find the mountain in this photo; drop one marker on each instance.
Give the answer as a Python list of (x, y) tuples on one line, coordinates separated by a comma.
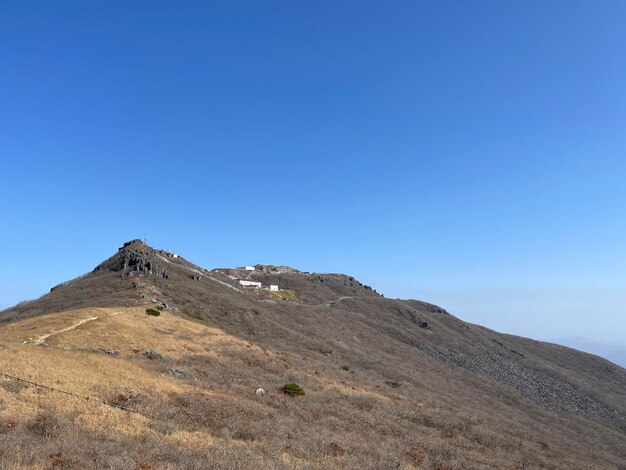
[(152, 362)]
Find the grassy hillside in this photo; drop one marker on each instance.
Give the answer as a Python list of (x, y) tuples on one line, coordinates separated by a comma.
[(381, 391)]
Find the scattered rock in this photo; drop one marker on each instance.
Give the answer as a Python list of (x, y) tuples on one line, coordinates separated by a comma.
[(550, 393), (112, 352), (186, 374), (260, 392), (152, 354)]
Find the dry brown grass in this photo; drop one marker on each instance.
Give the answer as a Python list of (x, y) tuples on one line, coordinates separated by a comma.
[(229, 343), (344, 420)]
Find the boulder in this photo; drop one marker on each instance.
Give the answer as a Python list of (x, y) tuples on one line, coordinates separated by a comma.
[(152, 354)]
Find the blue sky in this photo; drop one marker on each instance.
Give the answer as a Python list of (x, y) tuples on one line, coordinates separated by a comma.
[(470, 154)]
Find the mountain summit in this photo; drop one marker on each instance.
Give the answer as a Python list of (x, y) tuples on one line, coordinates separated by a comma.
[(150, 361)]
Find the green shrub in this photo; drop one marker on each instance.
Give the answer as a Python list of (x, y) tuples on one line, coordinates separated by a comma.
[(152, 312), (286, 295), (160, 308), (293, 389), (392, 383), (345, 367)]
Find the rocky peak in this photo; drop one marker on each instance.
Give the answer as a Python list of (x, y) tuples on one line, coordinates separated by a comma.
[(135, 258), (136, 243)]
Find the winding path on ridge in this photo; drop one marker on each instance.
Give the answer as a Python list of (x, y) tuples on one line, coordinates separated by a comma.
[(42, 339), (200, 273), (336, 301)]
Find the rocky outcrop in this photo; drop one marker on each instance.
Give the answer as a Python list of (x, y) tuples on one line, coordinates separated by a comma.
[(143, 264), (135, 257), (275, 269)]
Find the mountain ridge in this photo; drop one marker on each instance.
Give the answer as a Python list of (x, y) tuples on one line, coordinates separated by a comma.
[(452, 387)]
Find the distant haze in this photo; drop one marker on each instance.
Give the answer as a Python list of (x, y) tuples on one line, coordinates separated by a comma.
[(614, 351)]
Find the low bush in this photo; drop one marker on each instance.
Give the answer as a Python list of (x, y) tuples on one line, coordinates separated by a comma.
[(152, 312), (392, 383), (287, 295), (293, 389), (13, 387)]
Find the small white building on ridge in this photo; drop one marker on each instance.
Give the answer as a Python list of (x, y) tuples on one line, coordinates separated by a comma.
[(249, 268), (273, 287)]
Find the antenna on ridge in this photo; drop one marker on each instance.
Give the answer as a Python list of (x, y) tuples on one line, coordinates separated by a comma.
[(145, 239)]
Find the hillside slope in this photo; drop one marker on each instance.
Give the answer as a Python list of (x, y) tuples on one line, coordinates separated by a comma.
[(388, 383)]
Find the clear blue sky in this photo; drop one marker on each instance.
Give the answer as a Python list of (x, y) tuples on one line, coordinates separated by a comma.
[(470, 154)]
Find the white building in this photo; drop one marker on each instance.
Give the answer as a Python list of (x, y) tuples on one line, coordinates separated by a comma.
[(249, 268), (273, 287), (252, 284)]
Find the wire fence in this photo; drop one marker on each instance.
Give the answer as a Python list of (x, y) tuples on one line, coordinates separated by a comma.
[(75, 395)]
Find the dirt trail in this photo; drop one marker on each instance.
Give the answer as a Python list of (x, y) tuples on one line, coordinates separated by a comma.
[(200, 273), (43, 338), (336, 301)]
